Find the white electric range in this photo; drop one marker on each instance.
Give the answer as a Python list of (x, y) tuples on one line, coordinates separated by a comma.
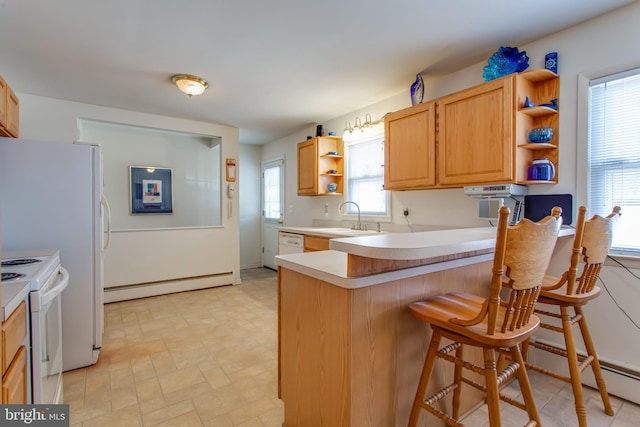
[(46, 279)]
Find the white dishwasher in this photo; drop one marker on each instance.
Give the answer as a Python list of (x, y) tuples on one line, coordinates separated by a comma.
[(290, 243)]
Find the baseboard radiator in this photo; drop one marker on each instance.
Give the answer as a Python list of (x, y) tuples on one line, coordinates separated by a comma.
[(148, 289), (622, 379)]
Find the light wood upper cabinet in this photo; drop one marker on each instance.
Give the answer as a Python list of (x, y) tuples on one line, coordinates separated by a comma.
[(3, 103), (475, 128), (320, 162), (409, 148), (9, 111), (476, 136)]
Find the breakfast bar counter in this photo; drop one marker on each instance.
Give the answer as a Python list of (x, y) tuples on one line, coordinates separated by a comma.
[(350, 354)]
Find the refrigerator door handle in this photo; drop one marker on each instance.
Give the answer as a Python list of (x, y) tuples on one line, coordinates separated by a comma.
[(107, 209)]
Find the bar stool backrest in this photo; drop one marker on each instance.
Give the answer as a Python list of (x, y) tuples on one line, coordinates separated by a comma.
[(522, 255), (593, 242)]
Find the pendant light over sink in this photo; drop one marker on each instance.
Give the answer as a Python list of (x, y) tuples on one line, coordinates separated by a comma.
[(189, 84)]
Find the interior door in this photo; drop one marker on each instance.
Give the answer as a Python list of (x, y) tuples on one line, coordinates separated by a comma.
[(272, 209)]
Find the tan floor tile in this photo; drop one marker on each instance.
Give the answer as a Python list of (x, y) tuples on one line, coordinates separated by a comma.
[(220, 421), (148, 389), (124, 417), (251, 411), (163, 362), (254, 422), (184, 357), (97, 384), (87, 412), (152, 405), (168, 412), (180, 379), (123, 398), (191, 392), (190, 419), (274, 416)]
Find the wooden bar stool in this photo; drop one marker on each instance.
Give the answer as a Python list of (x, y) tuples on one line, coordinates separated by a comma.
[(592, 240), (521, 258)]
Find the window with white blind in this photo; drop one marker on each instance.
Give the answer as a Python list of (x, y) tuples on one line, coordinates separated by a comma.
[(365, 172), (614, 154)]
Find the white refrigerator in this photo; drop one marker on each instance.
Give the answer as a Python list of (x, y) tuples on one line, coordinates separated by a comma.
[(51, 197)]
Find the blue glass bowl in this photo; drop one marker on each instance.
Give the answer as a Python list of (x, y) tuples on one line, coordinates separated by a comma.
[(541, 134)]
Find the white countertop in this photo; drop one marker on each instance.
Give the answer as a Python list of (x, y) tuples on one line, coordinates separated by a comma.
[(12, 295), (331, 265), (426, 244), (331, 232), (421, 245)]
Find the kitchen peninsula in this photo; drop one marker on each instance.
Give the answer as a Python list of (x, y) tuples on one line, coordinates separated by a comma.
[(350, 354)]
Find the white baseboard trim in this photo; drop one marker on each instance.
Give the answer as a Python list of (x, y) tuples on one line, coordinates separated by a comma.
[(143, 290)]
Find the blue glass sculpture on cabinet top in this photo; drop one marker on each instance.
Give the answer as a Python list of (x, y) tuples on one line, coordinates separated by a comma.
[(505, 61), (417, 90)]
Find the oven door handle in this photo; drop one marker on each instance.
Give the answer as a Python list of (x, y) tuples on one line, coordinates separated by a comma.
[(49, 295)]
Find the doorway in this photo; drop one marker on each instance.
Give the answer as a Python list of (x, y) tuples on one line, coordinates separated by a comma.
[(272, 209)]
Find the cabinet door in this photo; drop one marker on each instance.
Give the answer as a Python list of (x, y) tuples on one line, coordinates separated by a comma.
[(13, 113), (3, 103), (308, 167), (409, 148), (315, 243), (14, 381), (475, 135), (14, 330)]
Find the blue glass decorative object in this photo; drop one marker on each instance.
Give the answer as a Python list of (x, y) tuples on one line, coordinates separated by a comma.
[(541, 134), (505, 61), (552, 104), (417, 90), (528, 103), (551, 61), (332, 187)]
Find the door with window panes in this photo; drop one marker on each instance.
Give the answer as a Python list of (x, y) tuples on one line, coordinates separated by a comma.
[(272, 209)]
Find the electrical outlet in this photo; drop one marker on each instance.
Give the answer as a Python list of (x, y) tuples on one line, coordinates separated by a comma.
[(405, 211)]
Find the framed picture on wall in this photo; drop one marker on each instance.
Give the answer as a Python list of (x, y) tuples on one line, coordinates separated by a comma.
[(151, 190)]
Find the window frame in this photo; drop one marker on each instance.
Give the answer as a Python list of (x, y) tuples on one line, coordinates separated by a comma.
[(353, 138), (585, 80)]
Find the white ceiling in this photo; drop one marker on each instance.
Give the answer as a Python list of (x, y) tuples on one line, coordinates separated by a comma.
[(273, 67)]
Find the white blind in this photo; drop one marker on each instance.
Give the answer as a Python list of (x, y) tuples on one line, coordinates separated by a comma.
[(365, 171), (614, 153)]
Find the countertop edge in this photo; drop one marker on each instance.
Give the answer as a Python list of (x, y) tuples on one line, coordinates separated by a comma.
[(12, 296), (331, 267)]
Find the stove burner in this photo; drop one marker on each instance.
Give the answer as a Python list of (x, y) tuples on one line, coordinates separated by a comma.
[(20, 261), (11, 276)]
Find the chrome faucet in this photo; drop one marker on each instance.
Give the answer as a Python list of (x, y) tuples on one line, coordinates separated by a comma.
[(358, 225)]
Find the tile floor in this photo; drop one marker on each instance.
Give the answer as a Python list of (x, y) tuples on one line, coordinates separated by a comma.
[(209, 358)]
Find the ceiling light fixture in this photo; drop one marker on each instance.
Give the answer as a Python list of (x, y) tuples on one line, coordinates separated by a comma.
[(191, 85)]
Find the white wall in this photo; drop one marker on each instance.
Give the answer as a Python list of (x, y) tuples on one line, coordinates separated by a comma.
[(150, 255)]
